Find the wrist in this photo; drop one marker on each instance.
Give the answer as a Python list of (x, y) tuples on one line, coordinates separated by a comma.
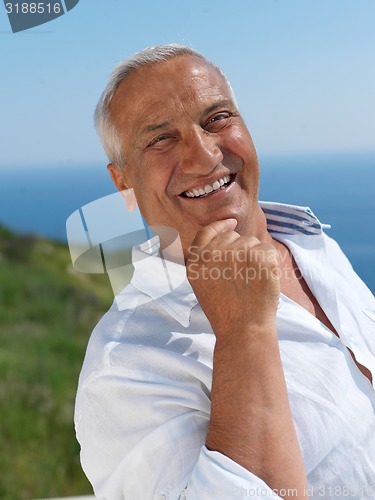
[(248, 332)]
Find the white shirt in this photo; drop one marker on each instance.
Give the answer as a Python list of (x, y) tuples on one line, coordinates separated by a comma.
[(143, 402)]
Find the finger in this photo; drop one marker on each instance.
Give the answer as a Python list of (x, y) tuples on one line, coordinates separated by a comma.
[(251, 242), (216, 249), (208, 233)]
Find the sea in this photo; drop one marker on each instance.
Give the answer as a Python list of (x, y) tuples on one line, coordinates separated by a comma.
[(339, 188)]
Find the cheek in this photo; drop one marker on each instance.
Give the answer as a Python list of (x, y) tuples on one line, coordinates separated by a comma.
[(245, 142), (238, 141), (152, 200), (147, 183)]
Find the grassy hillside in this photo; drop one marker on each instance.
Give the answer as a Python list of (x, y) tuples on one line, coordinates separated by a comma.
[(47, 312)]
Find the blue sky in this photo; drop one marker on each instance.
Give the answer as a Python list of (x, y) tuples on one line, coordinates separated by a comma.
[(303, 72)]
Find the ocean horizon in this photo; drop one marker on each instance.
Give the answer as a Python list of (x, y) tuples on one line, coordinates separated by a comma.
[(340, 190)]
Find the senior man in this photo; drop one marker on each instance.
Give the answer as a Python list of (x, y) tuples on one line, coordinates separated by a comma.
[(253, 378)]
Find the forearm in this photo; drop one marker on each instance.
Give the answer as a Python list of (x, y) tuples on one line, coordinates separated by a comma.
[(250, 421)]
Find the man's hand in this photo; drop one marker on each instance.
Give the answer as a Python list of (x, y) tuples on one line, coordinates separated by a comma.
[(236, 280)]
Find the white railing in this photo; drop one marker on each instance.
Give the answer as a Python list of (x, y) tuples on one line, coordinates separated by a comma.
[(89, 497)]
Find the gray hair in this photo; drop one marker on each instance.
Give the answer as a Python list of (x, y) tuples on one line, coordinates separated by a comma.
[(149, 56)]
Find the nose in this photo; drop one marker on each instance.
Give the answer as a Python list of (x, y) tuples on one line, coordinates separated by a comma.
[(200, 152)]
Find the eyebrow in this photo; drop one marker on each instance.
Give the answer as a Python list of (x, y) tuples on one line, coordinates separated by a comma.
[(157, 126), (220, 104), (153, 127)]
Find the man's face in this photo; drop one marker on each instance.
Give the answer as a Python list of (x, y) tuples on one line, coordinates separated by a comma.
[(189, 156)]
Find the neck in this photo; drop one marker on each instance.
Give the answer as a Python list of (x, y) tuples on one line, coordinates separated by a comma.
[(256, 226)]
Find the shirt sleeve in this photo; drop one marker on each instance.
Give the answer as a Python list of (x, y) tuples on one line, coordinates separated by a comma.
[(142, 435), (217, 476)]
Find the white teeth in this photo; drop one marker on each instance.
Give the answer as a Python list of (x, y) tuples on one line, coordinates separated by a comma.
[(196, 192)]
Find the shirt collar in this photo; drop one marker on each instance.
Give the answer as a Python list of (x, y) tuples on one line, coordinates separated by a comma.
[(291, 219), (163, 280), (166, 282)]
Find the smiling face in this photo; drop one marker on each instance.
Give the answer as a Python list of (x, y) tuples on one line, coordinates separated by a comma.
[(189, 156)]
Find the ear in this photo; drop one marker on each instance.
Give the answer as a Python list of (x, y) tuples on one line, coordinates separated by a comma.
[(117, 176)]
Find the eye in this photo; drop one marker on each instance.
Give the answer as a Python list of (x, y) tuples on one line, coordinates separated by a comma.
[(217, 121), (219, 116), (159, 139)]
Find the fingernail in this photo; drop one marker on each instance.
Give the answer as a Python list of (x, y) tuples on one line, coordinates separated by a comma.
[(233, 222)]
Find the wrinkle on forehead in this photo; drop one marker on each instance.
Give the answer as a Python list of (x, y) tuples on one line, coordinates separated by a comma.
[(159, 93), (169, 74)]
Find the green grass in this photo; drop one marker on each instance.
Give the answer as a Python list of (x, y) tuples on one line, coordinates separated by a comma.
[(47, 312)]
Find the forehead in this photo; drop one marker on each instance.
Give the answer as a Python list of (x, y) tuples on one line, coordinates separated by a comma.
[(183, 83)]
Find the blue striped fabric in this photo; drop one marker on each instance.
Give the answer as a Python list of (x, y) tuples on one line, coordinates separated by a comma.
[(291, 219)]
